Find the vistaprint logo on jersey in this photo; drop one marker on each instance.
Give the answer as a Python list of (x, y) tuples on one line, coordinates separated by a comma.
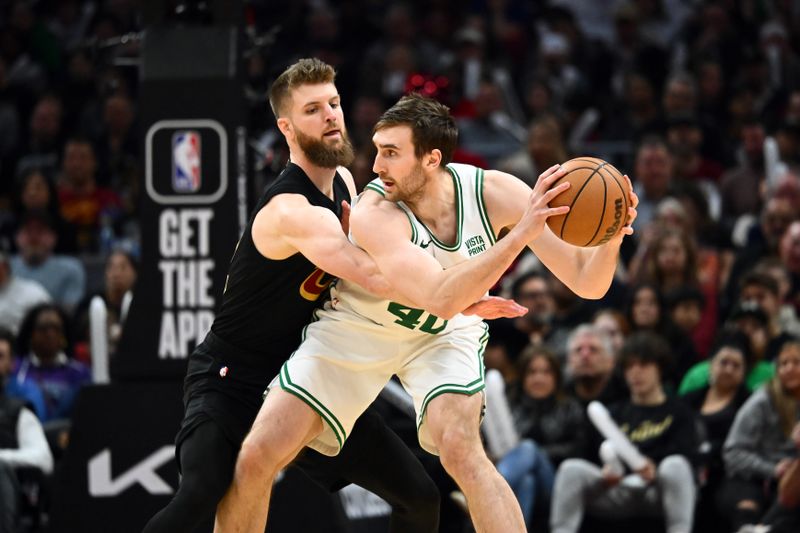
[(475, 245)]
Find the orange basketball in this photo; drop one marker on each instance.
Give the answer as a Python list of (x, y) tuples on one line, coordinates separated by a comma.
[(598, 199)]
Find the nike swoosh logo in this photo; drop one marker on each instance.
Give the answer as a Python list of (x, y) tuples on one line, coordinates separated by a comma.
[(425, 244)]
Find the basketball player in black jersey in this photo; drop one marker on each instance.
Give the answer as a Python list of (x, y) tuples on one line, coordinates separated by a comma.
[(290, 249)]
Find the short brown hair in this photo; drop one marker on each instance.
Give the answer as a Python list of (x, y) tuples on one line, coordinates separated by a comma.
[(646, 347), (307, 71), (432, 126)]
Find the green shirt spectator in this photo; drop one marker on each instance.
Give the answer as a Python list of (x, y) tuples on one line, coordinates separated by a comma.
[(697, 376)]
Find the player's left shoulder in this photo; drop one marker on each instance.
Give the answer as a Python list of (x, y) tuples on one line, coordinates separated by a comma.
[(495, 177), (503, 191)]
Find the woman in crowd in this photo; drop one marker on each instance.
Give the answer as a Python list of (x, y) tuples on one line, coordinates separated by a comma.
[(120, 276), (716, 405), (45, 348), (759, 447), (646, 312), (551, 428)]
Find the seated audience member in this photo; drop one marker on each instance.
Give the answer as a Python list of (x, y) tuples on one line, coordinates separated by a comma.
[(44, 347), (538, 326), (83, 202), (684, 305), (63, 276), (784, 515), (120, 276), (17, 295), (661, 428), (27, 392), (749, 319), (762, 290), (787, 315), (551, 427), (615, 325), (591, 367), (777, 215), (37, 192), (646, 312), (716, 405), (22, 445), (759, 447)]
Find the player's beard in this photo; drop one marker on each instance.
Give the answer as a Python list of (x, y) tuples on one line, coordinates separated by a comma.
[(324, 155), (412, 187)]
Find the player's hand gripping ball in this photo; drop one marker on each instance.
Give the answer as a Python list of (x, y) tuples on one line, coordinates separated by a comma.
[(599, 197)]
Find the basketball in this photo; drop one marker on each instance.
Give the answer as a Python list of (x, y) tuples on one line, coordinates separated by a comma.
[(598, 198)]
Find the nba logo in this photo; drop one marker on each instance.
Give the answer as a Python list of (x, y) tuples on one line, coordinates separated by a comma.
[(186, 155)]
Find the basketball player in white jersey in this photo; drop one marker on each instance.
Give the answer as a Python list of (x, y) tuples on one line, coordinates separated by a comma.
[(422, 221)]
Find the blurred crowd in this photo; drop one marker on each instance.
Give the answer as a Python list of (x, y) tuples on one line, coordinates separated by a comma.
[(697, 101)]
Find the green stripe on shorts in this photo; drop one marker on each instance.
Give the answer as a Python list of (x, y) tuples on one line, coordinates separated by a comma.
[(469, 389), (316, 405)]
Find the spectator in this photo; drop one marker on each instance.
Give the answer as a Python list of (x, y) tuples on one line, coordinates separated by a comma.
[(63, 276), (44, 345), (45, 138), (551, 427), (118, 149), (750, 320), (787, 316), (763, 291), (680, 95), (37, 192), (784, 517), (716, 405), (27, 392), (684, 306), (17, 295), (615, 326), (508, 337), (491, 133), (661, 428), (647, 312), (22, 443), (740, 186), (83, 202), (590, 367), (637, 113), (120, 276), (672, 261), (758, 449), (685, 139), (763, 240), (544, 148), (653, 178), (790, 257)]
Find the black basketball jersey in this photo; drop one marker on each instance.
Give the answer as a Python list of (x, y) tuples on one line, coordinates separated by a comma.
[(267, 303)]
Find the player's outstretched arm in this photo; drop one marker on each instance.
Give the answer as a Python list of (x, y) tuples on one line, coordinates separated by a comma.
[(383, 230), (588, 272)]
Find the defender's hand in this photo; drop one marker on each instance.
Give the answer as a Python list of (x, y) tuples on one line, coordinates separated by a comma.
[(491, 307), (345, 220)]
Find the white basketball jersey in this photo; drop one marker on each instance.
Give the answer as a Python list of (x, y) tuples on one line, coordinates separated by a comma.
[(474, 235)]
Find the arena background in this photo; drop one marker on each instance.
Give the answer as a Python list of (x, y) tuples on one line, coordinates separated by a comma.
[(530, 82)]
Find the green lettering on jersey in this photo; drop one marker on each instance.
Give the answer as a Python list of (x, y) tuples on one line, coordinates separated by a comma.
[(475, 245), (430, 322), (408, 317)]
